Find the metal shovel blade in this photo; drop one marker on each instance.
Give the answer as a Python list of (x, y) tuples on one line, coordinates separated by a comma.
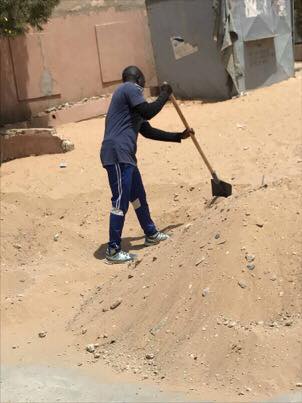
[(221, 189)]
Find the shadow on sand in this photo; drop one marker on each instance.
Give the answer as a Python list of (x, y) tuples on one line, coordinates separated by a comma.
[(127, 243)]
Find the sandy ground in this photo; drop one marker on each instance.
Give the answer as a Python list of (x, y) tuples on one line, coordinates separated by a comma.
[(211, 327)]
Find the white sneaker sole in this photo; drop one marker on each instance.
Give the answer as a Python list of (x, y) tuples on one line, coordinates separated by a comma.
[(111, 262)]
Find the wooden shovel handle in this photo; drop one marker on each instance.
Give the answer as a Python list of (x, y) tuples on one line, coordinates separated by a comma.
[(186, 124)]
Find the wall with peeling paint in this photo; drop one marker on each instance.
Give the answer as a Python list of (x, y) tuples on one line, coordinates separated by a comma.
[(80, 53)]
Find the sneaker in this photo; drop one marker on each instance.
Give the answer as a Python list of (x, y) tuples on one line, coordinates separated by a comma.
[(156, 238), (115, 257)]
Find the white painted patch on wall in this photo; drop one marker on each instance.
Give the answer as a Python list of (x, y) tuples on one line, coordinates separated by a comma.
[(181, 48), (280, 7), (253, 8)]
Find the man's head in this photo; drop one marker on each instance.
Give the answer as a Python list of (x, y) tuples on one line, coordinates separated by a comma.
[(134, 75)]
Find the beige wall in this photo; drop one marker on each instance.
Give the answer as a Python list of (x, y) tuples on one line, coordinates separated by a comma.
[(80, 53)]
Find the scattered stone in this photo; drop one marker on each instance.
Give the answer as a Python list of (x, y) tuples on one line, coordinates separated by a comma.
[(63, 165), (116, 303), (289, 322), (80, 364), (199, 261), (42, 334), (250, 258), (273, 277), (299, 384), (205, 291), (149, 356), (259, 224), (217, 236), (56, 237), (52, 109), (187, 227), (176, 197), (67, 145), (90, 348), (84, 331), (96, 355), (130, 276), (192, 188), (242, 284), (232, 324), (250, 266), (17, 246), (154, 258)]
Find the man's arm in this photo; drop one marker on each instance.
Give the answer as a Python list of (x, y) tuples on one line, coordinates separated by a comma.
[(155, 134), (149, 110)]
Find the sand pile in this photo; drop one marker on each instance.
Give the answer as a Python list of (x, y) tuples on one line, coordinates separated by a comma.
[(218, 305), (216, 309)]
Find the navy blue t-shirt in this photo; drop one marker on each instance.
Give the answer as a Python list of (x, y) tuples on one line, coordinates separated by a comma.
[(122, 126)]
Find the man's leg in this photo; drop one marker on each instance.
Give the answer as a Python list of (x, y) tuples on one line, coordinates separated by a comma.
[(120, 180), (140, 205)]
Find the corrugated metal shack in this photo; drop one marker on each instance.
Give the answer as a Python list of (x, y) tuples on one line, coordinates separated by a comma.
[(215, 49)]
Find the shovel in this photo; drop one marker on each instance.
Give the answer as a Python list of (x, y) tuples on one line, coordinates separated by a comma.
[(219, 188)]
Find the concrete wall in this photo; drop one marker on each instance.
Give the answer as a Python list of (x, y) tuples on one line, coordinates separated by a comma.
[(80, 53)]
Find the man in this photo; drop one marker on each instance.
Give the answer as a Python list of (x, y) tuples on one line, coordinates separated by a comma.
[(127, 116)]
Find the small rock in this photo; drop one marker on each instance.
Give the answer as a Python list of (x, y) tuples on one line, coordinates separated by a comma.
[(217, 236), (96, 355), (84, 331), (192, 188), (63, 165), (67, 145), (288, 323), (17, 246), (187, 227), (176, 197), (199, 261), (56, 237), (42, 334), (250, 266), (116, 303), (90, 348), (232, 324), (259, 224), (242, 284), (52, 109), (130, 276), (205, 291), (250, 258), (299, 384), (273, 277), (149, 356)]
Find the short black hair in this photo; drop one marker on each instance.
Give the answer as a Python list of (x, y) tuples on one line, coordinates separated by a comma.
[(132, 73)]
